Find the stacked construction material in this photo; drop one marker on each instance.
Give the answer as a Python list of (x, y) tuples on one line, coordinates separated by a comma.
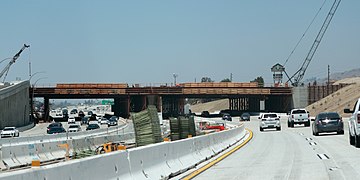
[(147, 127), (174, 129), (182, 127)]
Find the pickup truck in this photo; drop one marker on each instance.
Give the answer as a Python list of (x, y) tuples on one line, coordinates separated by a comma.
[(299, 116), (354, 124)]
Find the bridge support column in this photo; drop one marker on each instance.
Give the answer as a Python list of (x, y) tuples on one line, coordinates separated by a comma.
[(137, 103), (46, 109), (240, 104), (254, 104), (154, 100), (121, 107), (172, 106)]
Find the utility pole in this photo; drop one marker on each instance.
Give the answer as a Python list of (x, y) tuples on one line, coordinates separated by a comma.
[(230, 77), (328, 80)]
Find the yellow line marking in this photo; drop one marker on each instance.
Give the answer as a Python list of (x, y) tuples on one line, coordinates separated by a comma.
[(212, 163)]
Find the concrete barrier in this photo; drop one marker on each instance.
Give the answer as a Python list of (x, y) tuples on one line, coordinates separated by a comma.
[(155, 161)]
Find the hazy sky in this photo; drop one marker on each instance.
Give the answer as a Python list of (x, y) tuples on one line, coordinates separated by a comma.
[(147, 41)]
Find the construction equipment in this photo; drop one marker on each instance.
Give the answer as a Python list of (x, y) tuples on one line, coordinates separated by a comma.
[(298, 75), (6, 69), (109, 147)]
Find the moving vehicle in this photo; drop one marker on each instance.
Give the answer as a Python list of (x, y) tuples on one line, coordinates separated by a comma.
[(92, 127), (74, 128), (245, 116), (84, 120), (55, 124), (354, 124), (205, 114), (269, 120), (71, 120), (226, 117), (56, 130), (104, 121), (328, 122), (112, 122), (9, 132), (299, 116)]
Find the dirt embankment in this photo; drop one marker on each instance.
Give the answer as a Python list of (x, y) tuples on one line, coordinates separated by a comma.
[(339, 100)]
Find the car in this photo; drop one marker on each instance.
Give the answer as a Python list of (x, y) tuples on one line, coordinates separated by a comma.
[(104, 121), (299, 116), (226, 117), (84, 120), (71, 120), (354, 124), (112, 122), (205, 114), (9, 132), (54, 124), (269, 120), (56, 130), (245, 116), (232, 112), (327, 122), (92, 127), (74, 128)]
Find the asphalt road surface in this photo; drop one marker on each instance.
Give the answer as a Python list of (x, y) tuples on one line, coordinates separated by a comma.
[(292, 153)]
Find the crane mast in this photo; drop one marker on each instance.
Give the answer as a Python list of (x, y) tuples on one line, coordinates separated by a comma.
[(301, 72), (6, 69)]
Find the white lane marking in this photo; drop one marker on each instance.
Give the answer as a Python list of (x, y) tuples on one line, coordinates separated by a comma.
[(323, 156), (301, 134), (312, 143), (309, 139)]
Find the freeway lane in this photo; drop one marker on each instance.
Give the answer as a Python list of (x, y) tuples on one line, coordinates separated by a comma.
[(292, 153)]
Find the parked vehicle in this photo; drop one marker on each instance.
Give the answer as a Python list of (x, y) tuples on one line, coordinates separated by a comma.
[(74, 128), (92, 127), (55, 124), (299, 116), (9, 132), (226, 117), (269, 120), (354, 124), (328, 122), (245, 116), (56, 130)]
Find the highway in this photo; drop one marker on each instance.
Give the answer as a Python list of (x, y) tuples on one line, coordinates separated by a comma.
[(292, 153)]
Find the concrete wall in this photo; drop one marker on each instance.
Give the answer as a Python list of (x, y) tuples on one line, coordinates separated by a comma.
[(300, 97), (14, 105)]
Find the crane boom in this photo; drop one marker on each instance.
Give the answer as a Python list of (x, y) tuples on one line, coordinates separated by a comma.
[(301, 72), (6, 69)]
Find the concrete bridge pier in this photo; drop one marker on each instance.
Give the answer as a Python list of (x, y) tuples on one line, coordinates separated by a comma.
[(138, 103), (121, 107), (172, 106), (46, 109)]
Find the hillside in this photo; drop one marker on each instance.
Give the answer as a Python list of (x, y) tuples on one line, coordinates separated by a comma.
[(210, 106), (337, 101)]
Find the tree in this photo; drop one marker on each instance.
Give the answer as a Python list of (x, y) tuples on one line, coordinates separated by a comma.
[(259, 80), (226, 80), (206, 79)]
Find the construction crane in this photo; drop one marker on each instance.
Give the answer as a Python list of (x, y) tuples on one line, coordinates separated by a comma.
[(298, 76), (5, 71)]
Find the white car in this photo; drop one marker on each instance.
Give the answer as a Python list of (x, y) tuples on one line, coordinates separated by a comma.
[(269, 120), (71, 120), (74, 128), (9, 132), (104, 121)]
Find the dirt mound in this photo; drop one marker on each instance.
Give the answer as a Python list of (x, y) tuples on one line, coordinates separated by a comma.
[(337, 101), (210, 106)]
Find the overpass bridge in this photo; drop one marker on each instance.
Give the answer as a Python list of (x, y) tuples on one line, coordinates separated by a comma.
[(170, 99)]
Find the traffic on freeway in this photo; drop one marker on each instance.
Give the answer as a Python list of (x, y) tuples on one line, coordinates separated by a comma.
[(292, 153)]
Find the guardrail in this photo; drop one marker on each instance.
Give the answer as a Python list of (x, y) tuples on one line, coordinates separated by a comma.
[(156, 161)]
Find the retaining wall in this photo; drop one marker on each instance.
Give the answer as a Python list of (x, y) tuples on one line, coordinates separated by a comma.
[(14, 105)]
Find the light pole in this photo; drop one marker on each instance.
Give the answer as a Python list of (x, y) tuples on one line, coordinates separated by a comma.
[(32, 96), (175, 76), (32, 75)]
